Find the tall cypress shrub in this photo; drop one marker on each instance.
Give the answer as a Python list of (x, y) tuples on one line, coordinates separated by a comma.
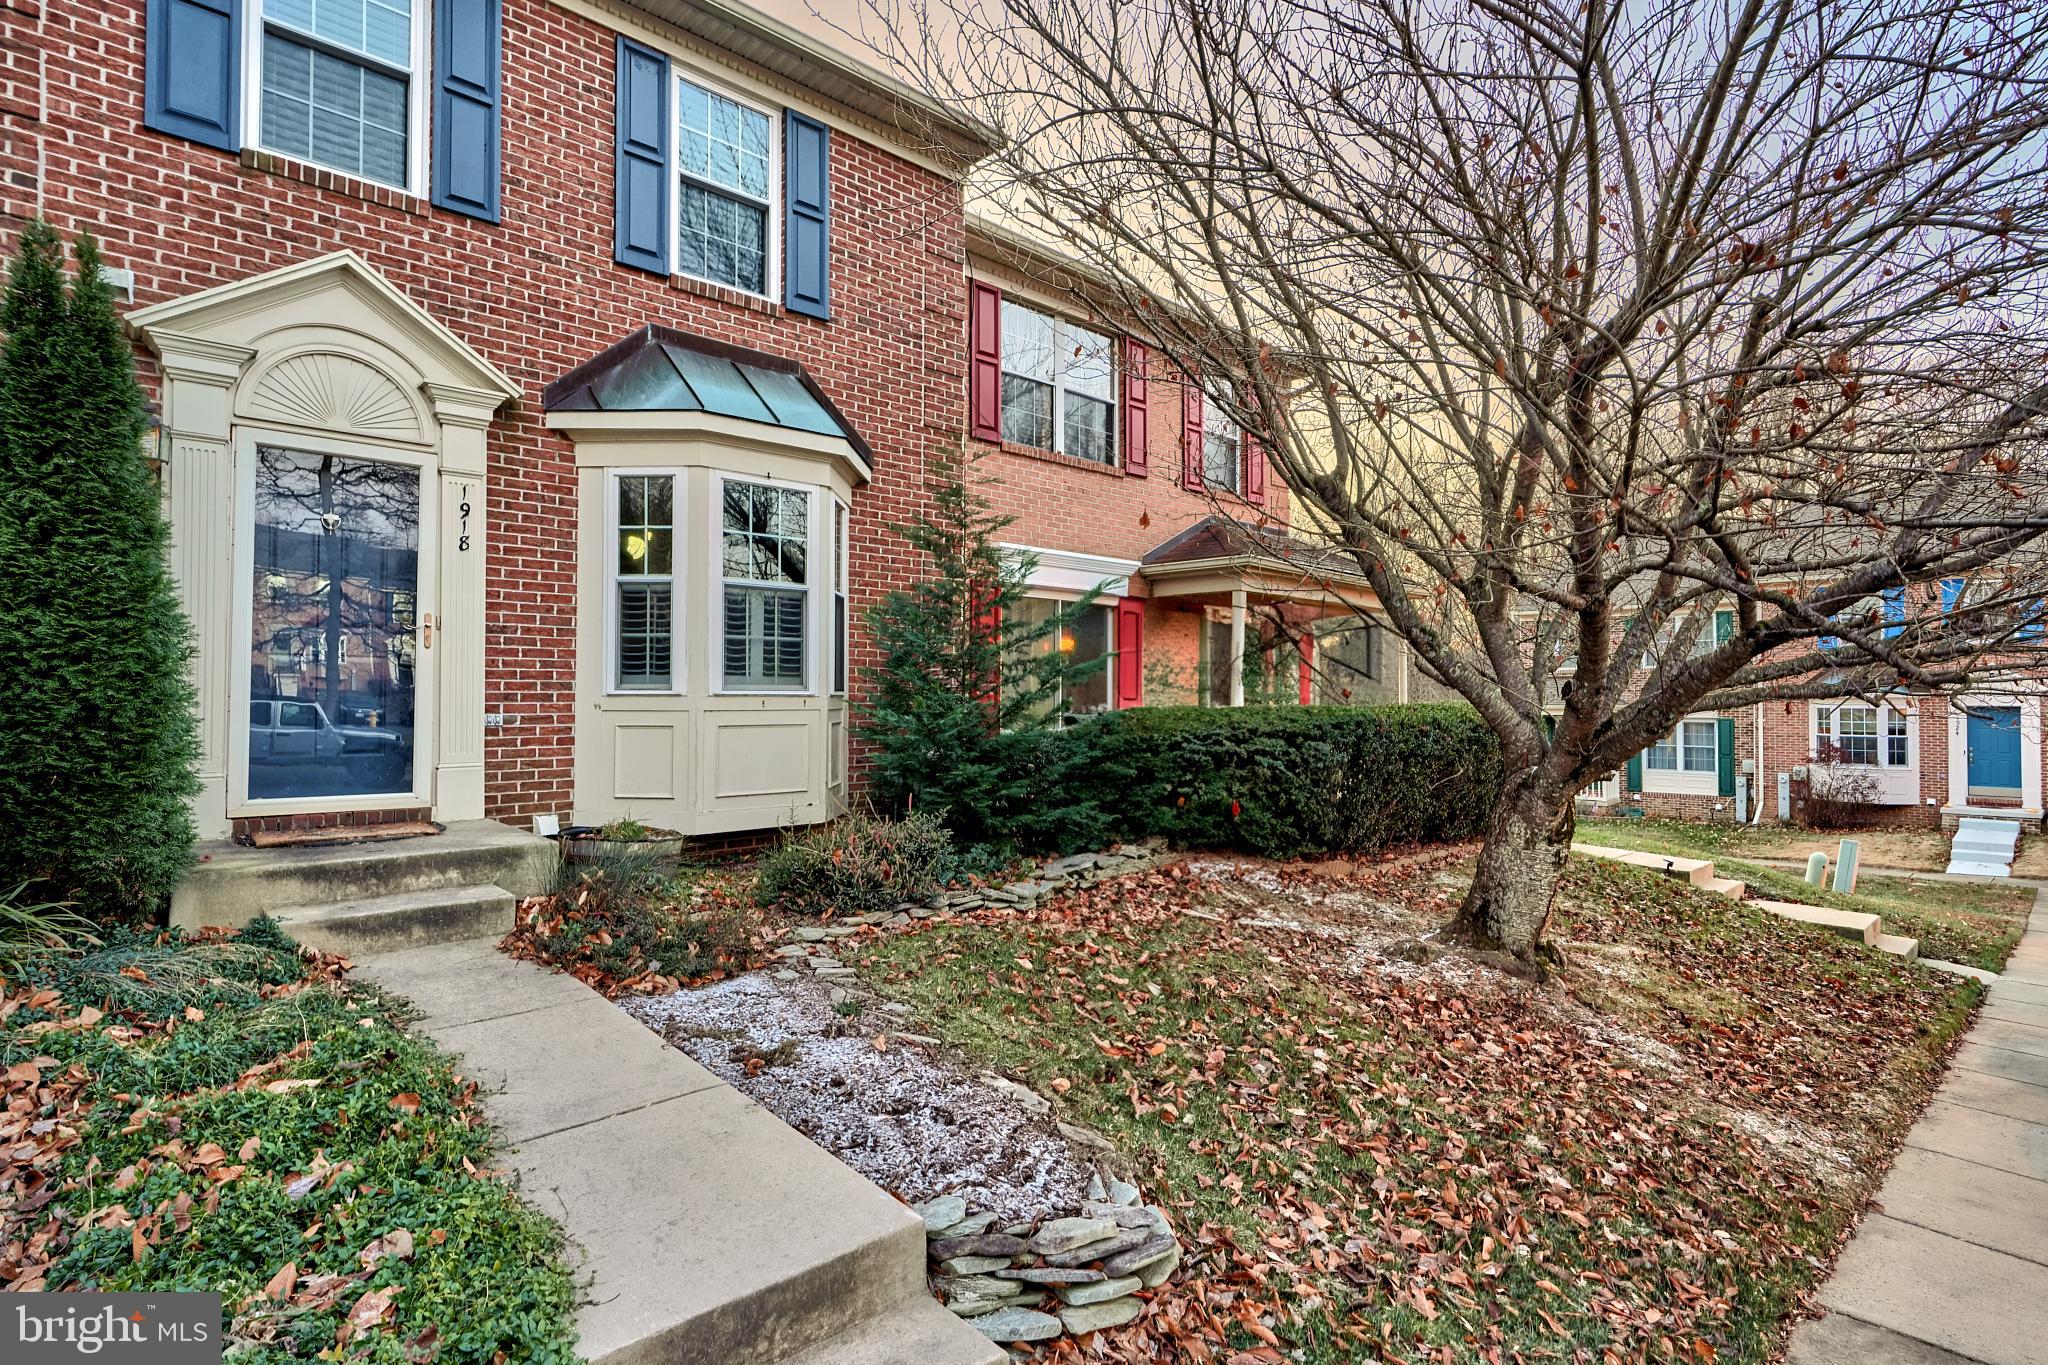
[(97, 736), (965, 713)]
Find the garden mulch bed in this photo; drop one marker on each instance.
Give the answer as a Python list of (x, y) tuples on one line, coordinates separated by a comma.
[(1381, 1150)]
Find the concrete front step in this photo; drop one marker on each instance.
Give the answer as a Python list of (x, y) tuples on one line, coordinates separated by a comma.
[(1899, 946), (1725, 886), (233, 884), (1864, 928), (707, 1230), (410, 919), (1979, 869)]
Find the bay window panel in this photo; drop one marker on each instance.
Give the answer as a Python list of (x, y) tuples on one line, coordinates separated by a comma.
[(1856, 734), (1662, 755), (766, 568), (646, 635), (643, 573), (1895, 738)]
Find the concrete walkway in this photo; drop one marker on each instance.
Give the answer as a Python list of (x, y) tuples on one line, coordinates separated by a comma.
[(1955, 1268), (706, 1229)]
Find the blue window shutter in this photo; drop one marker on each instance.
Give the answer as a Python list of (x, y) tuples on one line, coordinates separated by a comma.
[(192, 71), (641, 215), (467, 81), (1894, 600), (807, 220)]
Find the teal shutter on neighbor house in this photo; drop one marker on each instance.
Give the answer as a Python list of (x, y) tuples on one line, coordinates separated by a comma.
[(1724, 625), (640, 226), (1724, 756), (192, 71), (1634, 780), (466, 84), (807, 216)]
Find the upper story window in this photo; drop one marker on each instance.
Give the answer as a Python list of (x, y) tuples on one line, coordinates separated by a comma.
[(726, 168), (1059, 385), (341, 84), (1222, 450)]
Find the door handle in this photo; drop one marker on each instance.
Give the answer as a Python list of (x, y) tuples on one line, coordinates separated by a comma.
[(427, 633)]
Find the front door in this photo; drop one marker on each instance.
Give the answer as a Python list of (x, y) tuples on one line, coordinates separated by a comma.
[(1994, 738), (334, 711)]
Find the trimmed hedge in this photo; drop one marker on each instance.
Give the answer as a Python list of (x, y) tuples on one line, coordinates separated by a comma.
[(1290, 780)]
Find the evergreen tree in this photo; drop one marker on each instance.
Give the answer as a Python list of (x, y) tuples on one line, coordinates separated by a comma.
[(97, 737), (967, 712)]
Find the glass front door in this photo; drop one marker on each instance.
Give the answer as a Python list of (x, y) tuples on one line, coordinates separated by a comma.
[(336, 616)]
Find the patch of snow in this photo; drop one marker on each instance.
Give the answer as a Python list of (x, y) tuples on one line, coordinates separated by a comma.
[(908, 1121)]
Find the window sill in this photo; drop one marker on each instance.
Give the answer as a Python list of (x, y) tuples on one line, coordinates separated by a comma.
[(738, 298), (1114, 471), (337, 182)]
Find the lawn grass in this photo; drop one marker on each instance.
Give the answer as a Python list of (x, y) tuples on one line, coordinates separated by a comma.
[(1910, 850), (1974, 923), (1649, 1157), (222, 1121)]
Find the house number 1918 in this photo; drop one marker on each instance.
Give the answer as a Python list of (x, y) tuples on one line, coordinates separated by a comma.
[(462, 540)]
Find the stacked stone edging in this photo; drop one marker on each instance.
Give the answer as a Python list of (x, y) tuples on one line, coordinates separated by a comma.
[(1032, 1281)]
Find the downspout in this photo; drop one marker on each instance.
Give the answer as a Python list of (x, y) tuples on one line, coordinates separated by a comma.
[(1756, 739)]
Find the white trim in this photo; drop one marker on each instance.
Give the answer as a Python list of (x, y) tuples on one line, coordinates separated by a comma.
[(1682, 781), (2030, 752), (242, 627), (682, 73), (419, 76), (840, 591), (1075, 572), (814, 666), (677, 582)]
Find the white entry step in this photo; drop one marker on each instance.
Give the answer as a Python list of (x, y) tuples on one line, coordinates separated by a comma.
[(1983, 848)]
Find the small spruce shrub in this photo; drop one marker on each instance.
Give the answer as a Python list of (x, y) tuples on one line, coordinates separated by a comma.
[(857, 865)]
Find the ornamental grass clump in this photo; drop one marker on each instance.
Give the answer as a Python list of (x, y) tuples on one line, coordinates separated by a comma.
[(857, 865)]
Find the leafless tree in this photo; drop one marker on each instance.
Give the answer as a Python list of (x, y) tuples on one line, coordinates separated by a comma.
[(1575, 322)]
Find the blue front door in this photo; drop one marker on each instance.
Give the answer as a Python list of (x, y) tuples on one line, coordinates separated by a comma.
[(1995, 751)]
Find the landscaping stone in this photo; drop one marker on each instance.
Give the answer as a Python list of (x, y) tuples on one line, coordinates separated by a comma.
[(966, 1226), (1158, 1272), (792, 950), (1087, 1137), (788, 974), (973, 1265), (1123, 1194), (942, 1213), (1098, 1291), (1093, 1317), (1065, 1234), (1049, 1275), (810, 933), (1016, 1324), (981, 1244), (1140, 1256), (1103, 1250), (1022, 1094), (1141, 1216)]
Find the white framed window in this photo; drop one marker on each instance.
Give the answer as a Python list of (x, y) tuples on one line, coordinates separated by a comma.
[(765, 597), (728, 163), (1860, 736), (840, 520), (1691, 748), (1089, 637), (641, 588), (1222, 448), (1059, 385), (340, 84)]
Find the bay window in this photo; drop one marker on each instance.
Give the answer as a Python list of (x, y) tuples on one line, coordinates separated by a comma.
[(725, 168), (340, 84), (765, 578), (1857, 734), (643, 583), (1058, 385)]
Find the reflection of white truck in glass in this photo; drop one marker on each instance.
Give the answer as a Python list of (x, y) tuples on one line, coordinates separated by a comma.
[(289, 730)]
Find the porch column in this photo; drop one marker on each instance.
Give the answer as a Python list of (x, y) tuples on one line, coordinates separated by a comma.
[(1237, 603), (200, 498), (457, 658)]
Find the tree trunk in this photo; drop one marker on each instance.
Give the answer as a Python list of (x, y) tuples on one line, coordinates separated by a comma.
[(1527, 841)]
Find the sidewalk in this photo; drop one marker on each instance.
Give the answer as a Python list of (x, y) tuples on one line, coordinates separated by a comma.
[(1955, 1268)]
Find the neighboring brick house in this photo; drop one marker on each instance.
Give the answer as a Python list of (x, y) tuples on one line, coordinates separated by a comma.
[(1924, 760), (1124, 477), (538, 381)]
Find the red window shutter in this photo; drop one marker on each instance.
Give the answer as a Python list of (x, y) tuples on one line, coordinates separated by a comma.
[(1191, 434), (1254, 471), (1308, 668), (1137, 418), (985, 361), (1130, 652)]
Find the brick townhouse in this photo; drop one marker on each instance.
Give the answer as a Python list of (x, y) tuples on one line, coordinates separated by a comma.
[(537, 381), (1924, 760)]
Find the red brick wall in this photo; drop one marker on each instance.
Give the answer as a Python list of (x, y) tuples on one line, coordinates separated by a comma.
[(535, 295)]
